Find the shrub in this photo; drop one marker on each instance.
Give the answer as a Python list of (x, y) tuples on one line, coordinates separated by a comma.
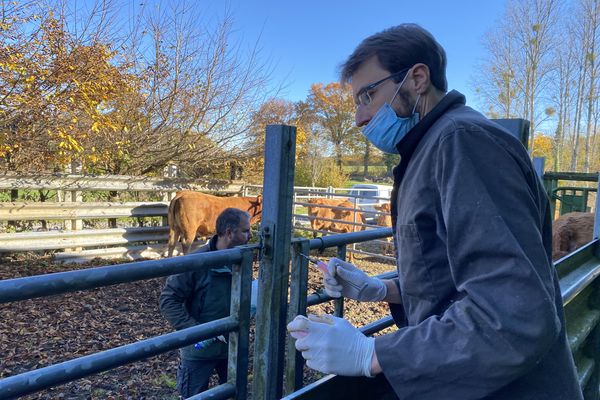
[(331, 175), (327, 174)]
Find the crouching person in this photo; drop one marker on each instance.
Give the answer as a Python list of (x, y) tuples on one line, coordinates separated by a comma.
[(196, 297)]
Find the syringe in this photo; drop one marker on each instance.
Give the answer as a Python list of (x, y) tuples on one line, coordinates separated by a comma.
[(320, 264)]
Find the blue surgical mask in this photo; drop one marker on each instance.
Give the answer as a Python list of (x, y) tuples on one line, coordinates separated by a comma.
[(386, 129)]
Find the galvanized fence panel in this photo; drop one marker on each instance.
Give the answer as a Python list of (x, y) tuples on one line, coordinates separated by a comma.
[(63, 282), (580, 288), (299, 301), (359, 202)]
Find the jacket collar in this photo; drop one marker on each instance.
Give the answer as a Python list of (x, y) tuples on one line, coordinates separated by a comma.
[(212, 243), (407, 146)]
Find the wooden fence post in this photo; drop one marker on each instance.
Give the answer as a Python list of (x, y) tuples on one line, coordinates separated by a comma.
[(14, 197), (170, 171), (74, 196)]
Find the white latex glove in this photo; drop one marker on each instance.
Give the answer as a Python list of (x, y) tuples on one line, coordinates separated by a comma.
[(348, 280), (332, 345)]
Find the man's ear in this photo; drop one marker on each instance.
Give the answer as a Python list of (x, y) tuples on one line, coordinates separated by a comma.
[(421, 79)]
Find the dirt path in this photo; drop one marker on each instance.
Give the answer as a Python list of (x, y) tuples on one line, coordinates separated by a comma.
[(36, 333)]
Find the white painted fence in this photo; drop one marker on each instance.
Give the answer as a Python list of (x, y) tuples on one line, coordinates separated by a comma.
[(68, 233), (74, 243)]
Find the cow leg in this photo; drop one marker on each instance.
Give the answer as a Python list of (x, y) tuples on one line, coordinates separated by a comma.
[(350, 257), (388, 247), (313, 226), (187, 239), (173, 238), (560, 242)]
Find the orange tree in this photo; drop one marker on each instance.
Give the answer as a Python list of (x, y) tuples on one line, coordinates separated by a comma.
[(272, 112), (333, 106), (57, 95), (76, 87)]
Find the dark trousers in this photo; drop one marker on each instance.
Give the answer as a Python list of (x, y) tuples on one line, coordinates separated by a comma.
[(193, 375)]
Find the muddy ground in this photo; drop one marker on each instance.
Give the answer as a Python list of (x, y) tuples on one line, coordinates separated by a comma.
[(36, 333)]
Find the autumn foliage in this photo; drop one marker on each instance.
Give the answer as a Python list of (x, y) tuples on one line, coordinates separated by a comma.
[(74, 86)]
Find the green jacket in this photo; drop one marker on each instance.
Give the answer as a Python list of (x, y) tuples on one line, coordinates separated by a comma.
[(192, 298)]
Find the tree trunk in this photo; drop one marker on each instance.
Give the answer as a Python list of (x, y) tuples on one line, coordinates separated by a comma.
[(112, 196), (578, 107), (338, 155), (43, 198), (591, 57), (366, 158), (14, 196)]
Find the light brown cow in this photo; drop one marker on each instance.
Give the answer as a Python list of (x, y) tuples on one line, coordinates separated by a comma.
[(385, 220), (351, 217), (346, 220), (316, 213), (571, 231), (193, 213)]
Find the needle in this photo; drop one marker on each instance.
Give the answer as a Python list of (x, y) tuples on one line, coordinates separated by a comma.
[(320, 264)]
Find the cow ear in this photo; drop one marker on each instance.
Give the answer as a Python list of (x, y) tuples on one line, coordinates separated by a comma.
[(259, 199)]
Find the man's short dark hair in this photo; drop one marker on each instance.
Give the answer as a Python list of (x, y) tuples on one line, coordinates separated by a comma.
[(398, 48), (230, 219)]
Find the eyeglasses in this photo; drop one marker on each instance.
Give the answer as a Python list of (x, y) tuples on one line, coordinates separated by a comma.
[(363, 97)]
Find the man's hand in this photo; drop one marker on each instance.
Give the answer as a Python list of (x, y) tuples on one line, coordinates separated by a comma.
[(347, 280), (332, 345)]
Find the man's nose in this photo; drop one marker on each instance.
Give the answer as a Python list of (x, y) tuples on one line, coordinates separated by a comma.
[(362, 116)]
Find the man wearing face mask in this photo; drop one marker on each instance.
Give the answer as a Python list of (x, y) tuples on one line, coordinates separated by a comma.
[(477, 301)]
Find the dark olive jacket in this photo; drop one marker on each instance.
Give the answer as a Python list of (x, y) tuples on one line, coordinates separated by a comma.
[(192, 298), (482, 314)]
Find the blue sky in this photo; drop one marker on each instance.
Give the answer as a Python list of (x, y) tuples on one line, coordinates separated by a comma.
[(306, 41)]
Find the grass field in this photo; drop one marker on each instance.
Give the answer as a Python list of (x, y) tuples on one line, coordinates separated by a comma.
[(373, 169)]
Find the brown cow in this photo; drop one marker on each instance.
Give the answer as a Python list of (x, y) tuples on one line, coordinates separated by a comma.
[(571, 231), (348, 216), (385, 220), (316, 213), (193, 213)]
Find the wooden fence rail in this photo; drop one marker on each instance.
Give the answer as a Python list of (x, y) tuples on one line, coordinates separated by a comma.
[(28, 211), (65, 218), (116, 183)]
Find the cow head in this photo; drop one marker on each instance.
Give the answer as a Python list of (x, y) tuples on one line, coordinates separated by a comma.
[(349, 216), (255, 208), (385, 207)]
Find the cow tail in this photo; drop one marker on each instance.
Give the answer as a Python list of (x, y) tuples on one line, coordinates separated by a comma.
[(174, 231)]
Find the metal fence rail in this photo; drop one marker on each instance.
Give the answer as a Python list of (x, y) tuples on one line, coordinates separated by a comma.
[(299, 301), (580, 288), (237, 324)]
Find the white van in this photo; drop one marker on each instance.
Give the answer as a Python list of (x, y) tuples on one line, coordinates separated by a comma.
[(366, 195)]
